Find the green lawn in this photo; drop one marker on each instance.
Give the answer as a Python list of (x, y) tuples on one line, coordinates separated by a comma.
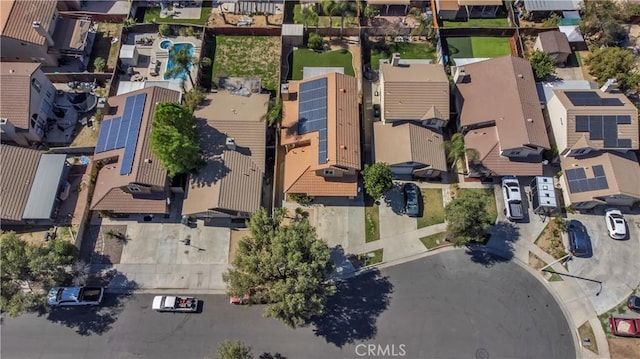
[(433, 240), (310, 58), (152, 15), (497, 22), (490, 200), (371, 258), (478, 46), (406, 51), (245, 56), (372, 222), (433, 212)]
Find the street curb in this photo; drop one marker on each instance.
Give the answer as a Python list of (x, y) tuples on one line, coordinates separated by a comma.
[(165, 291)]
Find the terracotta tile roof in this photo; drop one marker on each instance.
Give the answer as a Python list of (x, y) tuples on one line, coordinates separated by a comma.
[(414, 92), (480, 2), (18, 166), (15, 92), (626, 131), (485, 142), (147, 168), (408, 143), (232, 179), (444, 5), (622, 173), (503, 91), (118, 201), (343, 138), (18, 16), (554, 42)]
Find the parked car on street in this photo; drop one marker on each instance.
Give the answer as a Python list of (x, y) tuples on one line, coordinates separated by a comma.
[(376, 110), (578, 239), (513, 208), (616, 225), (239, 300), (634, 303), (411, 199), (75, 296), (625, 327), (171, 303)]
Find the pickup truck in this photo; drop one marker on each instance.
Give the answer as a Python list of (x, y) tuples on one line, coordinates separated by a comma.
[(170, 303), (625, 327), (512, 198), (75, 296)]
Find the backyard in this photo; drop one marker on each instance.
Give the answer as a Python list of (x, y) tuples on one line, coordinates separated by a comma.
[(248, 56), (152, 15), (495, 22), (480, 46), (103, 46), (382, 50), (308, 58)]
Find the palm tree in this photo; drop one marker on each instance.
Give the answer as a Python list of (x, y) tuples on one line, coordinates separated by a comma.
[(182, 62), (456, 150), (328, 7), (343, 8)]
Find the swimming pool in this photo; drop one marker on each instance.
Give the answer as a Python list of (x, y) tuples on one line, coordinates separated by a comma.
[(166, 44), (170, 64)]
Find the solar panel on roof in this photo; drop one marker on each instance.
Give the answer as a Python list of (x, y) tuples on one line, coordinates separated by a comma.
[(124, 132), (102, 137), (582, 123), (604, 128), (591, 98), (624, 120), (595, 127), (134, 107), (312, 113), (624, 143), (113, 134), (598, 171), (578, 182)]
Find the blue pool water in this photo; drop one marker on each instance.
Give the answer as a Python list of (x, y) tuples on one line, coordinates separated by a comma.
[(166, 44), (171, 64)]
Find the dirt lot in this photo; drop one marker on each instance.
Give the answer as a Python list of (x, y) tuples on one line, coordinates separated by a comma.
[(236, 236), (219, 19), (550, 240), (624, 348)]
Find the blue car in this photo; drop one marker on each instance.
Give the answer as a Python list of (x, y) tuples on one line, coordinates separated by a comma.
[(579, 244), (411, 200)]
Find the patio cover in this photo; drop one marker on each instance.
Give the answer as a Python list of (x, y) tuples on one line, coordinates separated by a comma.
[(308, 72), (44, 190), (572, 32)]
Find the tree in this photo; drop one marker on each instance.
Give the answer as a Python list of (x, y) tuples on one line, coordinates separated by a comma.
[(601, 22), (99, 63), (194, 98), (284, 266), (467, 219), (234, 350), (617, 63), (315, 41), (182, 63), (305, 15), (205, 62), (164, 29), (542, 64), (455, 148), (378, 179), (274, 115), (369, 13), (552, 20), (28, 271), (173, 138)]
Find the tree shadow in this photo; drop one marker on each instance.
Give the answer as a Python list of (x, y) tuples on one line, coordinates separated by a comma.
[(213, 145), (394, 199), (271, 356), (96, 320), (499, 246), (350, 315)]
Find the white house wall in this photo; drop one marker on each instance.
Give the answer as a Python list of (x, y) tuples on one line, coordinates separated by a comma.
[(558, 119)]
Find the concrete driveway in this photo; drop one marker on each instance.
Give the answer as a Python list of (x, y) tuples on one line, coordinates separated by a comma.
[(340, 221), (393, 221), (614, 262)]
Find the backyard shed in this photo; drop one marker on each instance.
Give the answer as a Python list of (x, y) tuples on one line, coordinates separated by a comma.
[(129, 55), (576, 40), (292, 34), (554, 43), (543, 195)]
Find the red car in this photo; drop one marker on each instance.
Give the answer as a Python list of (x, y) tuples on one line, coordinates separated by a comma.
[(625, 327), (238, 300)]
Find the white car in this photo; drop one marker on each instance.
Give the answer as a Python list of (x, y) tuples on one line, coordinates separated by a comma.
[(616, 224), (513, 207)]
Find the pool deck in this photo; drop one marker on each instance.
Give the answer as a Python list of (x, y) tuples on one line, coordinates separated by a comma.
[(153, 52)]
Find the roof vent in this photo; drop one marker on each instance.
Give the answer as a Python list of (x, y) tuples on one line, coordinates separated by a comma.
[(148, 160), (231, 143), (395, 59), (343, 147), (520, 76), (3, 120), (342, 90), (529, 120)]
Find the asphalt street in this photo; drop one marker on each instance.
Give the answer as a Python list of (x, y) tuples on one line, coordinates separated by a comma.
[(449, 305)]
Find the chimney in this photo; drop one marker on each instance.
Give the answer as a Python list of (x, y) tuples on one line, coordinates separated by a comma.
[(231, 143), (284, 92), (610, 85), (460, 76), (42, 32), (395, 59)]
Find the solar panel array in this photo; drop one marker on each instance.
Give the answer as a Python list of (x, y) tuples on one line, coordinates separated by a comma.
[(591, 98), (604, 128), (122, 132), (578, 181), (312, 112)]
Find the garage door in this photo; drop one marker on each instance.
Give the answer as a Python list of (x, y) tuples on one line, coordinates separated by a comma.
[(402, 170)]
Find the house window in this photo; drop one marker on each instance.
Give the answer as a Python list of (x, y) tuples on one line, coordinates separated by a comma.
[(36, 85), (328, 172), (133, 188)]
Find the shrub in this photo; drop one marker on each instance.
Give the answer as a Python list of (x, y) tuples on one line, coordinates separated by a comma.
[(164, 29), (99, 64), (315, 41)]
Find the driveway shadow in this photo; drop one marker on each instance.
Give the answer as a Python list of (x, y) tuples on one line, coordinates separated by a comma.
[(350, 315), (94, 320), (499, 247), (394, 199)]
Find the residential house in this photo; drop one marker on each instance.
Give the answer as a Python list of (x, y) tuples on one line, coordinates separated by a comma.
[(34, 31), (592, 120), (248, 7), (453, 9), (320, 133), (415, 106), (554, 43), (32, 185), (601, 178), (232, 136), (541, 9), (501, 117), (27, 98), (131, 180)]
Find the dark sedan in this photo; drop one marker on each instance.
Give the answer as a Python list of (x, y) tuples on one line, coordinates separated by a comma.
[(634, 303), (411, 200), (579, 244)]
